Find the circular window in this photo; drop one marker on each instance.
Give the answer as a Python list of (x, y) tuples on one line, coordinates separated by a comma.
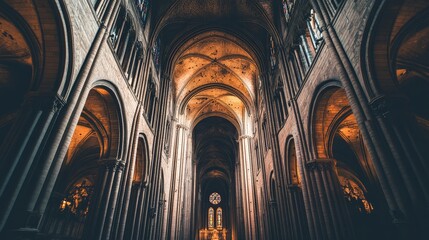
[(214, 198)]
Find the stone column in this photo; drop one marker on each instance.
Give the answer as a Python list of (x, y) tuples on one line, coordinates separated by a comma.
[(241, 227), (404, 163), (133, 209), (187, 191), (399, 164), (179, 158), (46, 171), (129, 189), (100, 223), (23, 144), (154, 175), (332, 218), (297, 217), (140, 211), (274, 220), (248, 196)]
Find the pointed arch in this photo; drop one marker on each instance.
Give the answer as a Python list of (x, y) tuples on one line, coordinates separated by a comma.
[(210, 218), (293, 173), (142, 161), (112, 103), (219, 218)]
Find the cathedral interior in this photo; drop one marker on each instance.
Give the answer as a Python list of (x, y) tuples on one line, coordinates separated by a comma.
[(214, 119)]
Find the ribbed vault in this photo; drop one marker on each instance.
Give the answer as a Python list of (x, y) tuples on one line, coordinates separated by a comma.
[(214, 74)]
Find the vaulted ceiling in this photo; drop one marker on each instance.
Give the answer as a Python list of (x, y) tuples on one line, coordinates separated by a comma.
[(214, 74), (215, 148)]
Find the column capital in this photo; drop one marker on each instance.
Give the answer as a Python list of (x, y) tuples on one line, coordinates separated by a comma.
[(320, 164), (382, 106), (183, 126), (245, 137), (166, 76), (48, 101), (115, 164)]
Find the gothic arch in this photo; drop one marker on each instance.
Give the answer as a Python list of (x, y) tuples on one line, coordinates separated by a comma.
[(389, 28), (142, 161), (232, 120), (273, 187), (113, 104), (317, 123), (336, 135), (44, 25), (291, 162), (97, 140)]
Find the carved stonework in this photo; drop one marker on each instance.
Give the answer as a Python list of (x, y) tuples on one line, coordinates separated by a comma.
[(320, 164), (52, 103), (380, 107), (383, 106), (57, 104), (113, 164)]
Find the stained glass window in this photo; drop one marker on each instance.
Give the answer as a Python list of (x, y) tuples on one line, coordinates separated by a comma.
[(214, 198), (273, 57), (143, 7), (219, 218), (314, 29), (156, 50), (211, 218), (78, 200), (287, 8), (355, 195)]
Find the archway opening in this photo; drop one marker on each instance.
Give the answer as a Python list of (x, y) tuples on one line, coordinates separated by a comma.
[(214, 79), (216, 153), (95, 143), (337, 136)]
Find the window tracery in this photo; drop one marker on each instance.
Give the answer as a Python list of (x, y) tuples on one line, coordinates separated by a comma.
[(211, 218), (78, 200), (156, 50), (219, 218), (355, 195), (273, 57), (287, 8), (143, 8), (313, 25), (215, 198)]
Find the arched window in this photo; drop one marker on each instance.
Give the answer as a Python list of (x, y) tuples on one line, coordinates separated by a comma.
[(150, 101), (280, 102), (143, 8), (117, 28), (156, 50), (219, 218), (315, 31), (355, 196), (287, 8), (211, 218), (273, 53)]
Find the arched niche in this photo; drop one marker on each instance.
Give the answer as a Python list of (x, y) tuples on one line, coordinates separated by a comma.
[(96, 138), (336, 135), (293, 173), (142, 161)]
